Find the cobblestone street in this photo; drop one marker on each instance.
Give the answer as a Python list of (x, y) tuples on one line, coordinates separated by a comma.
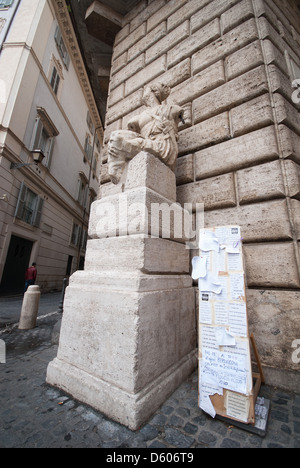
[(34, 415)]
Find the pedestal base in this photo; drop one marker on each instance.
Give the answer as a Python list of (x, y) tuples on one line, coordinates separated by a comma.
[(124, 348), (130, 409)]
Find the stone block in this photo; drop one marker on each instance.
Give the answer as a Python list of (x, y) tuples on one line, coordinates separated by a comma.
[(244, 60), (252, 115), (146, 75), (261, 182), (185, 12), (137, 253), (260, 222), (234, 40), (274, 321), (125, 73), (292, 172), (290, 143), (238, 14), (184, 170), (146, 12), (286, 113), (214, 193), (199, 84), (177, 74), (128, 104), (116, 94), (129, 40), (195, 42), (163, 45), (118, 63), (295, 207), (271, 265), (205, 133), (280, 83), (210, 11), (236, 91), (146, 170), (146, 44), (135, 212), (274, 56), (164, 13), (256, 147)]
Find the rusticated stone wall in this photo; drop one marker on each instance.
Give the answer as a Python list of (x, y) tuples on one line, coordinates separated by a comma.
[(231, 64)]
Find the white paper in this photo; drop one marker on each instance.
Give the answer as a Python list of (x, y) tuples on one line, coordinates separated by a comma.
[(224, 338), (205, 391), (210, 283), (223, 294), (226, 370), (208, 241), (199, 267), (234, 261), (238, 318), (237, 406), (218, 261), (229, 238), (237, 290), (221, 313), (208, 337), (205, 309)]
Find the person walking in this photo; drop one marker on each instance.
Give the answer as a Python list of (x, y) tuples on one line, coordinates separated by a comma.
[(30, 276)]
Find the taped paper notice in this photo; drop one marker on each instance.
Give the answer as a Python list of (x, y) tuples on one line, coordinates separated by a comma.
[(234, 261), (237, 316), (199, 267), (205, 309), (237, 290), (237, 406), (229, 238), (210, 283), (208, 241), (224, 338), (221, 313)]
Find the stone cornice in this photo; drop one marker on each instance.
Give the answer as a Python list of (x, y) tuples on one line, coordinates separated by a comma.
[(71, 43)]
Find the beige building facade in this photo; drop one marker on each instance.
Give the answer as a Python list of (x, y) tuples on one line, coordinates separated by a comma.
[(233, 65), (46, 104)]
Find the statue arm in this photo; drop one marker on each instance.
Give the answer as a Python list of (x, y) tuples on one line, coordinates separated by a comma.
[(134, 125)]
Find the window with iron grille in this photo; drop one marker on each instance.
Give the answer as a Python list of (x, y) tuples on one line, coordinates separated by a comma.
[(29, 206)]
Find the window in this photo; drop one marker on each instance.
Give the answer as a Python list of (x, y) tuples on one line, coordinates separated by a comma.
[(76, 235), (44, 134), (6, 3), (55, 80), (29, 206), (83, 189), (88, 148), (79, 236), (62, 48)]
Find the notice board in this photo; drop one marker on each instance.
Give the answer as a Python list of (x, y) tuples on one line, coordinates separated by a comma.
[(225, 371)]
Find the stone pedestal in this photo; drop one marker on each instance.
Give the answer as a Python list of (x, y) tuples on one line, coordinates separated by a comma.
[(128, 334)]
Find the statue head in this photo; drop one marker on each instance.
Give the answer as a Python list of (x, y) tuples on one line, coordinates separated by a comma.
[(159, 91)]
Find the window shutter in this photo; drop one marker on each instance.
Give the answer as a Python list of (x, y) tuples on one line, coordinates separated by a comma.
[(38, 212), (36, 138), (49, 152), (21, 201)]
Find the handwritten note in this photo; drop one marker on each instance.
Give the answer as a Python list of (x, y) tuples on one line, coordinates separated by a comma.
[(226, 370), (237, 290)]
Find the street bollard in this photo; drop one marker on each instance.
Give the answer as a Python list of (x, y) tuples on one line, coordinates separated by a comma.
[(30, 308)]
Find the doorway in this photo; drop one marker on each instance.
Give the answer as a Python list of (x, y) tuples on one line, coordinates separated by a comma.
[(17, 261)]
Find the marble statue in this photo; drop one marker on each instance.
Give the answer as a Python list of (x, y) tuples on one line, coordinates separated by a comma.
[(155, 131)]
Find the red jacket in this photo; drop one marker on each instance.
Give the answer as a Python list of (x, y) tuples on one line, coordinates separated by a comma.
[(31, 273)]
